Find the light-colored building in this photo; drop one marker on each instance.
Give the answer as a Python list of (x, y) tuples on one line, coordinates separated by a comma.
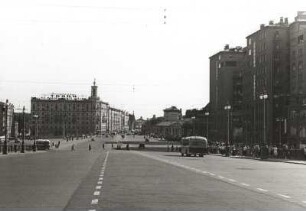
[(61, 115), (171, 127), (9, 108)]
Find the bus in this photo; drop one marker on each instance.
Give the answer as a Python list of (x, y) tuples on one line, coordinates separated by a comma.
[(194, 145)]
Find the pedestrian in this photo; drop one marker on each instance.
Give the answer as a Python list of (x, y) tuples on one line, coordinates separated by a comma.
[(72, 147), (305, 153), (89, 147), (103, 146)]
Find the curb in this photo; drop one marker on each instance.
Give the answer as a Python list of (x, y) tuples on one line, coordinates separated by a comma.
[(269, 160)]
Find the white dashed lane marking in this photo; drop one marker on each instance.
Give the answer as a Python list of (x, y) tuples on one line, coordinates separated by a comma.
[(94, 201), (263, 190), (211, 174), (285, 196), (96, 193), (99, 186)]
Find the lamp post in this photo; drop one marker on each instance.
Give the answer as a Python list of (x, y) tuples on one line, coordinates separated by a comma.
[(23, 130), (280, 120), (4, 151), (207, 115), (35, 116), (263, 97), (193, 122), (227, 108)]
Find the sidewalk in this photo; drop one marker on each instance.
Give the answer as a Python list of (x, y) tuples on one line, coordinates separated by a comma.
[(63, 146), (301, 162)]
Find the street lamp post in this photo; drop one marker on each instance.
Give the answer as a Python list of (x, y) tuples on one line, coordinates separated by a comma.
[(227, 108), (193, 122), (207, 115), (4, 151), (36, 132), (280, 120), (23, 130), (264, 97)]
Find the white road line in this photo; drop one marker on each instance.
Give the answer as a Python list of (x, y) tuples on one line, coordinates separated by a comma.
[(263, 190), (244, 184), (98, 187), (91, 210), (285, 196), (211, 174), (99, 182), (101, 178), (94, 201), (204, 172), (96, 193), (221, 177), (304, 202), (232, 180)]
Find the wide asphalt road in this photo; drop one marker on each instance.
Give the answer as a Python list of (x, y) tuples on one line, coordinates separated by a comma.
[(124, 180)]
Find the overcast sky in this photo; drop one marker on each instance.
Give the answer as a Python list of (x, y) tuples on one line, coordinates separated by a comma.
[(62, 45)]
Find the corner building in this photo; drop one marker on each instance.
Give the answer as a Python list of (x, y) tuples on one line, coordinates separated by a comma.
[(61, 115), (297, 108), (267, 73)]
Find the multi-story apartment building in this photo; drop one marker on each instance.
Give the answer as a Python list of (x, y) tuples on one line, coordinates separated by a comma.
[(297, 109), (226, 89), (6, 118), (266, 83)]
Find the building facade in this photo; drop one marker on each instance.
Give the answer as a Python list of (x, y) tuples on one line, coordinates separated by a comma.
[(171, 126), (6, 119), (61, 115), (226, 90), (297, 108), (268, 66)]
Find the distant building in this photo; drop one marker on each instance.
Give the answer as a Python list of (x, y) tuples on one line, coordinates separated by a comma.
[(18, 118), (171, 127), (6, 123), (61, 115), (138, 124)]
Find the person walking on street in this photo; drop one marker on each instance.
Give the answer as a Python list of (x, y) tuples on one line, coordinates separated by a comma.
[(89, 147), (305, 153), (72, 147), (103, 146)]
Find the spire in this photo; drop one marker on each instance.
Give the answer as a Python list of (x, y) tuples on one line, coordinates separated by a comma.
[(94, 90)]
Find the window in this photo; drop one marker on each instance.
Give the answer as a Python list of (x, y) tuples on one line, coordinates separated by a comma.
[(230, 63), (300, 39)]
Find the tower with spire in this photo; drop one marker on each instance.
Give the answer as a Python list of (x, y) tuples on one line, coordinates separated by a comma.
[(94, 91)]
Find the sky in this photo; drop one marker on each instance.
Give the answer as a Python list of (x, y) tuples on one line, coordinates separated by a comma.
[(145, 55)]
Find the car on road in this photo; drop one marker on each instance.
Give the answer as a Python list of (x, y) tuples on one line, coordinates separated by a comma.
[(194, 145), (43, 144)]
